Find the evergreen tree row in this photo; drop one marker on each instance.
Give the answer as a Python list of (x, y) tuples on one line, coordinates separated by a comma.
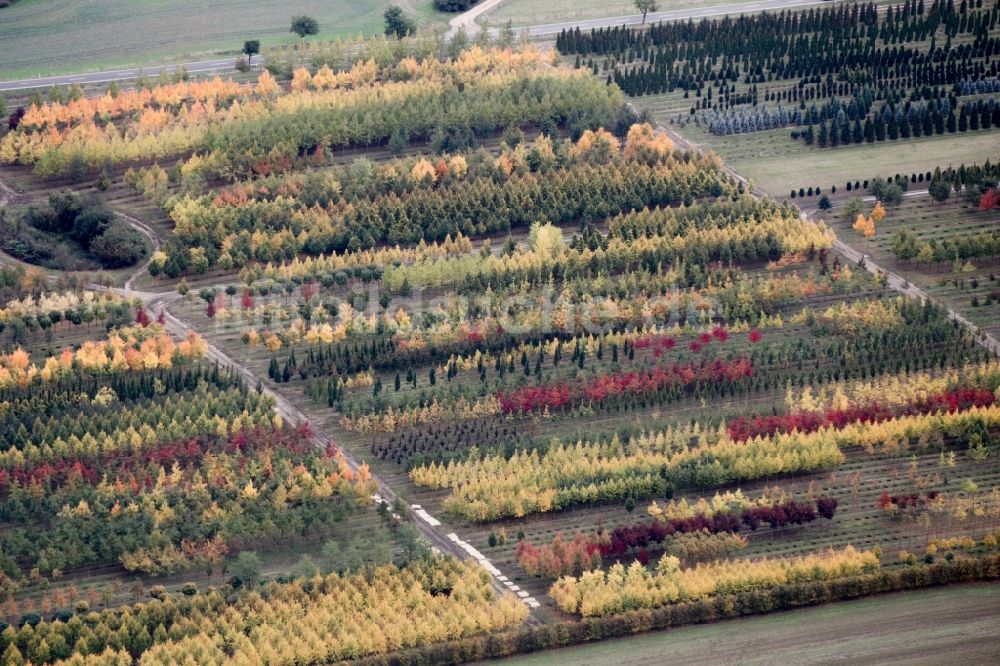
[(855, 43), (893, 123)]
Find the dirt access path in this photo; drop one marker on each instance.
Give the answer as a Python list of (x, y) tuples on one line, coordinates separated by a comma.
[(154, 241), (7, 195), (467, 19)]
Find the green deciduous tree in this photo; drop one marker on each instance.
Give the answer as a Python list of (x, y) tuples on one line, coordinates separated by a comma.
[(306, 567), (458, 42), (505, 39), (247, 568), (304, 25), (851, 209), (397, 24), (119, 246), (887, 192), (251, 47)]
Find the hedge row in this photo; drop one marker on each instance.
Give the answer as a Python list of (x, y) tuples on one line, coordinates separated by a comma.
[(535, 638)]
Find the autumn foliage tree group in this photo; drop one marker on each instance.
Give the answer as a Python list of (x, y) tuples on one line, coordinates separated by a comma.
[(529, 297), (582, 553)]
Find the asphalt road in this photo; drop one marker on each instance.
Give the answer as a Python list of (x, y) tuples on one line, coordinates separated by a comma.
[(467, 20), (679, 14), (201, 67)]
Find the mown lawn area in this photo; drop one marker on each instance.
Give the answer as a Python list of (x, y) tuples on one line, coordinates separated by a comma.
[(43, 37), (777, 164)]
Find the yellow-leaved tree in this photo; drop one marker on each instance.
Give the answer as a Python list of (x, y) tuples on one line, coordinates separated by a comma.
[(644, 143), (546, 239), (864, 225), (266, 85)]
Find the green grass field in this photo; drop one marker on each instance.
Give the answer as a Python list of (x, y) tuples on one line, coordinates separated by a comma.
[(937, 626), (777, 164), (528, 12), (44, 37)]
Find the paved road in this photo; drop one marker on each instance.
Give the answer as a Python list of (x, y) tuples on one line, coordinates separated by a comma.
[(466, 19), (201, 67), (679, 14)]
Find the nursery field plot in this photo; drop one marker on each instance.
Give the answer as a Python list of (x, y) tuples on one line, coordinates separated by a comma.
[(110, 586), (147, 210), (761, 107), (122, 199), (522, 308), (97, 576), (971, 293), (856, 485), (854, 523), (230, 333), (929, 220), (926, 218), (42, 344), (336, 530)]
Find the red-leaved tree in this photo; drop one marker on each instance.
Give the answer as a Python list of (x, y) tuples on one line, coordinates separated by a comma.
[(990, 199)]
